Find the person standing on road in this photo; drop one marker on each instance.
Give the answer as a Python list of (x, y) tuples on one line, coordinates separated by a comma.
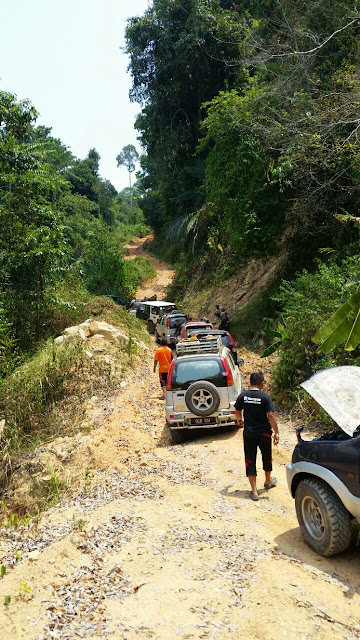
[(177, 328), (163, 356), (225, 322), (255, 412)]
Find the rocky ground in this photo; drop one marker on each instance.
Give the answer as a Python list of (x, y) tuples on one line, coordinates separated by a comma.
[(156, 541)]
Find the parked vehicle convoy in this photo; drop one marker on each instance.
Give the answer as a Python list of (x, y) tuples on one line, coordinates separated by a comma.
[(324, 475), (190, 327), (152, 311), (166, 327), (202, 386), (226, 338)]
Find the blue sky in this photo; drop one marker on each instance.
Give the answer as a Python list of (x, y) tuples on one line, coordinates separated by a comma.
[(64, 56)]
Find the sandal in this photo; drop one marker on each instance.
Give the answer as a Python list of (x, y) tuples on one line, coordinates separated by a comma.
[(271, 484), (254, 497)]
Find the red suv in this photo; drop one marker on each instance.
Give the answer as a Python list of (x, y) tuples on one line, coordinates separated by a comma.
[(189, 328)]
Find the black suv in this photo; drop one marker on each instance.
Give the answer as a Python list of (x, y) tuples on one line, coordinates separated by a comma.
[(324, 474)]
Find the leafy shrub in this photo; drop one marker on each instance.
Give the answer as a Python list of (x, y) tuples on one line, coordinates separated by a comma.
[(28, 395), (137, 271), (73, 304), (253, 319), (8, 349), (305, 304)]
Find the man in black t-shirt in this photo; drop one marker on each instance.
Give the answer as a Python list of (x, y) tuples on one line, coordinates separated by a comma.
[(255, 412)]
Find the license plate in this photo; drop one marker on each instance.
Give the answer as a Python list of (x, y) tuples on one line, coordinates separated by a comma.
[(201, 421)]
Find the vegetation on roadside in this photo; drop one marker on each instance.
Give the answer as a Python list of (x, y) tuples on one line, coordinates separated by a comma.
[(250, 128), (305, 303), (44, 397), (58, 218), (62, 234)]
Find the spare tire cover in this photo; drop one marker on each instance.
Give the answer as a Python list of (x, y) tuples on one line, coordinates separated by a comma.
[(202, 398)]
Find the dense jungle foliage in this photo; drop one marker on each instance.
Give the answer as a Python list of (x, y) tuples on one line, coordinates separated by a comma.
[(60, 222), (250, 124)]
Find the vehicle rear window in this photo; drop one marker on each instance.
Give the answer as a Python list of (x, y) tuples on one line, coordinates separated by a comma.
[(226, 342), (173, 321), (187, 372), (194, 327)]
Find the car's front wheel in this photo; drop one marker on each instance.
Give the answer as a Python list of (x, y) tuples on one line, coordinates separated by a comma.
[(151, 327), (323, 519)]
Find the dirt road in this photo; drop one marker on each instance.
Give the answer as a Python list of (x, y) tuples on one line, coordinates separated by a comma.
[(163, 542), (164, 275)]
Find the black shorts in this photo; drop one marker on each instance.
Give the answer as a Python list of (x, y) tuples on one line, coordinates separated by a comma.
[(251, 443), (163, 379)]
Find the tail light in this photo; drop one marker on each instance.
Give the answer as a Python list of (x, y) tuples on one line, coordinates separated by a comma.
[(231, 340), (168, 323), (229, 377), (169, 377)]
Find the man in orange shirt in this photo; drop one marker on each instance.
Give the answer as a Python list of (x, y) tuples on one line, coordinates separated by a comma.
[(163, 356)]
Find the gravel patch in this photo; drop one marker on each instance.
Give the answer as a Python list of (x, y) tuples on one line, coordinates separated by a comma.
[(114, 487), (77, 607), (238, 555), (28, 542)]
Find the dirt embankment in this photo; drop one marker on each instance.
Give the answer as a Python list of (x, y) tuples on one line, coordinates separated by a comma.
[(239, 290), (161, 541)]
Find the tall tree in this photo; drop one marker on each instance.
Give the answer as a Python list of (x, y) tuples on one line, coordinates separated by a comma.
[(127, 157), (181, 55), (32, 246)]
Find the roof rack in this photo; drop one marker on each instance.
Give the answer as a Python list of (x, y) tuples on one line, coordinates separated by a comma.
[(188, 347)]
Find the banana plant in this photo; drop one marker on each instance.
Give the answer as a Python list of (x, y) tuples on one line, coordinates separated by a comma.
[(281, 334), (343, 326)]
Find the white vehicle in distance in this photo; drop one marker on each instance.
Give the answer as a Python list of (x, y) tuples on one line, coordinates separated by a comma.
[(134, 307), (202, 387), (166, 327), (152, 310)]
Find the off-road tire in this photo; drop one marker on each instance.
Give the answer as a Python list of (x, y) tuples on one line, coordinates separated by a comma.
[(177, 435), (327, 526), (157, 339), (193, 398), (151, 327)]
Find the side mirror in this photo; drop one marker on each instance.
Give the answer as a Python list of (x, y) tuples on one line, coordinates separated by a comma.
[(240, 362)]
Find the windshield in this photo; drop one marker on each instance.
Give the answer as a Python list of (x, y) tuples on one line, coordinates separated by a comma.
[(187, 372)]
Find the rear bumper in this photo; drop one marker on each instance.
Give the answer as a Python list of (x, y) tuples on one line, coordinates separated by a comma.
[(184, 419)]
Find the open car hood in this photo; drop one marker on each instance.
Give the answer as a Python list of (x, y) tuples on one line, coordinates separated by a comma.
[(337, 390)]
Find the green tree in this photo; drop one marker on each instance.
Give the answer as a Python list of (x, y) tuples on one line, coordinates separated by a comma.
[(56, 153), (32, 247), (181, 55), (127, 157)]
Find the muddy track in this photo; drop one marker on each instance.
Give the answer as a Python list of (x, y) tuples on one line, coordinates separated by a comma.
[(163, 542)]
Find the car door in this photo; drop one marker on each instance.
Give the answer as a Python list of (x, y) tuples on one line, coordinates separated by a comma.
[(161, 326), (154, 314), (140, 311), (236, 388)]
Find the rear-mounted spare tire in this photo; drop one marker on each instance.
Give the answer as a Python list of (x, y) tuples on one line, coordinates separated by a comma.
[(202, 398)]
